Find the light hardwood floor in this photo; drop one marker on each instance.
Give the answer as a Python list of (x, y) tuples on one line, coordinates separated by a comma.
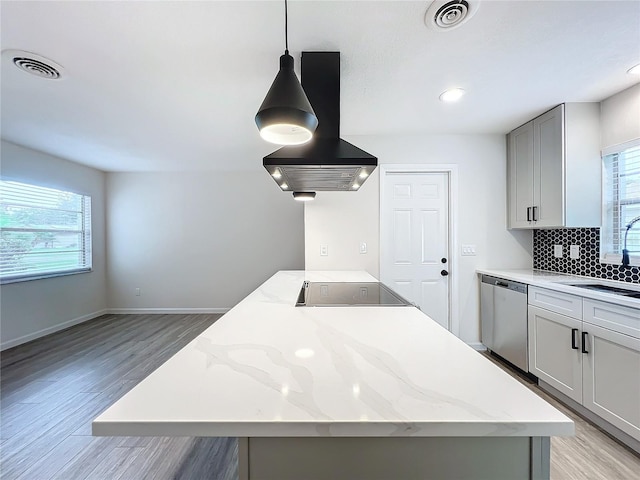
[(589, 455), (52, 388)]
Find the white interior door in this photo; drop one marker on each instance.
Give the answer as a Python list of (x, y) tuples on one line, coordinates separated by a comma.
[(414, 234)]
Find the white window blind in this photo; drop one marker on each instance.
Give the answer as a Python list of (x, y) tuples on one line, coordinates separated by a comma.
[(621, 195), (43, 232)]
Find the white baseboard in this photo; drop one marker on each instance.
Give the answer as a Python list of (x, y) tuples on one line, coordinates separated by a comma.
[(134, 311), (477, 346), (49, 330)]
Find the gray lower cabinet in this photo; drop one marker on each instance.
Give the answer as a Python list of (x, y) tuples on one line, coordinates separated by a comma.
[(554, 353), (611, 377), (595, 366)]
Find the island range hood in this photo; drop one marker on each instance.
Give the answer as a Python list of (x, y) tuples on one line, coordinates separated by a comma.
[(326, 163)]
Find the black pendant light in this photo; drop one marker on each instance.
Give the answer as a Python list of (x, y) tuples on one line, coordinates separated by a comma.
[(286, 116)]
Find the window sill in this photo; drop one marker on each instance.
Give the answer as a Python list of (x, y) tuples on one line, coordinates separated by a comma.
[(28, 278), (634, 261)]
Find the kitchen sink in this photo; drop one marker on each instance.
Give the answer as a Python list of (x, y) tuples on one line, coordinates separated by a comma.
[(627, 292)]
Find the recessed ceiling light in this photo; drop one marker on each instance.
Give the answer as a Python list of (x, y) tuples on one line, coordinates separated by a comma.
[(635, 70), (452, 95)]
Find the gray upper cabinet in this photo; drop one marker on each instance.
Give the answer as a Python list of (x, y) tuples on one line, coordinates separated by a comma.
[(554, 169)]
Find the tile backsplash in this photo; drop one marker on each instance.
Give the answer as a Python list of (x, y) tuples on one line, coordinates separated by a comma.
[(589, 262)]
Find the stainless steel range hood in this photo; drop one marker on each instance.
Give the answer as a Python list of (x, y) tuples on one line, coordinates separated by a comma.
[(327, 163)]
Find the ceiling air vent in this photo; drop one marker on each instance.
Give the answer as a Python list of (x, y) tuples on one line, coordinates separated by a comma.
[(446, 15), (34, 64)]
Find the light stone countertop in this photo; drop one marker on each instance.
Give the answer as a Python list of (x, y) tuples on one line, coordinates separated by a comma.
[(561, 283), (268, 368)]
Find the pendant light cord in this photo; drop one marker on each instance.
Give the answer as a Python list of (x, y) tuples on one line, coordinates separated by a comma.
[(286, 30)]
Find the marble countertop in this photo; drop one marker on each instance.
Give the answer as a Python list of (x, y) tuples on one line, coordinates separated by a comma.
[(268, 368), (561, 283)]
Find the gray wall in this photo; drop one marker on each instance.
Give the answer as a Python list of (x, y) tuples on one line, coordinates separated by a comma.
[(35, 308), (197, 241)]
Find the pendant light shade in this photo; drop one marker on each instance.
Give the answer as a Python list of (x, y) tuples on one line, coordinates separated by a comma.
[(286, 116)]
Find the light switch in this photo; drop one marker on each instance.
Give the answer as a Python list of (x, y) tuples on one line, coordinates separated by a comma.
[(468, 250), (363, 247), (557, 251), (324, 250), (574, 251)]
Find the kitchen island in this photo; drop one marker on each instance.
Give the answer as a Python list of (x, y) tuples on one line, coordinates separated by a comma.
[(342, 392)]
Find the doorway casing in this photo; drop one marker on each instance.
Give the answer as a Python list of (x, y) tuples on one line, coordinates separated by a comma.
[(452, 173)]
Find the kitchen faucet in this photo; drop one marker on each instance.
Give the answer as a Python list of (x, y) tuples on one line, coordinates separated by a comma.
[(625, 252)]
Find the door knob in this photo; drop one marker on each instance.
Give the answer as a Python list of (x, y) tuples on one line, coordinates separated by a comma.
[(444, 273)]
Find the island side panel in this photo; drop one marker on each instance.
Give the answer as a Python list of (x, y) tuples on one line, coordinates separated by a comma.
[(243, 458), (540, 458), (438, 458)]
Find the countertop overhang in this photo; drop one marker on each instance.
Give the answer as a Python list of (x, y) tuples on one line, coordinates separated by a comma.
[(270, 369)]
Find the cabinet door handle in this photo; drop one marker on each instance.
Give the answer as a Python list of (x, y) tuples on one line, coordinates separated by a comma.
[(574, 339), (528, 214), (535, 214), (585, 336)]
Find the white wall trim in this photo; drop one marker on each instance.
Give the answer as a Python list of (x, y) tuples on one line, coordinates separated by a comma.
[(452, 171), (49, 330), (477, 346), (134, 311)]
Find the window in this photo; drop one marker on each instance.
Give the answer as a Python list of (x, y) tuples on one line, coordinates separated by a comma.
[(43, 232), (621, 197)]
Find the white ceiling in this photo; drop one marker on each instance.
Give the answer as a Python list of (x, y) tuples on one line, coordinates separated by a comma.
[(168, 85)]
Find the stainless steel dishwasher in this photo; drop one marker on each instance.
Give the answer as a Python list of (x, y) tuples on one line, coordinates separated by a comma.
[(503, 317)]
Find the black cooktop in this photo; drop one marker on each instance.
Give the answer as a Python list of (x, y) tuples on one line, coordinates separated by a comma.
[(348, 294)]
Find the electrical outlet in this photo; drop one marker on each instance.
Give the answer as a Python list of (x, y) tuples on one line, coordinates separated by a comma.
[(363, 247), (557, 251), (137, 292), (574, 251), (468, 250), (324, 250)]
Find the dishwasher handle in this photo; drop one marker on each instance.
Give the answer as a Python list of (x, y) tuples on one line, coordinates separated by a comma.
[(504, 283)]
